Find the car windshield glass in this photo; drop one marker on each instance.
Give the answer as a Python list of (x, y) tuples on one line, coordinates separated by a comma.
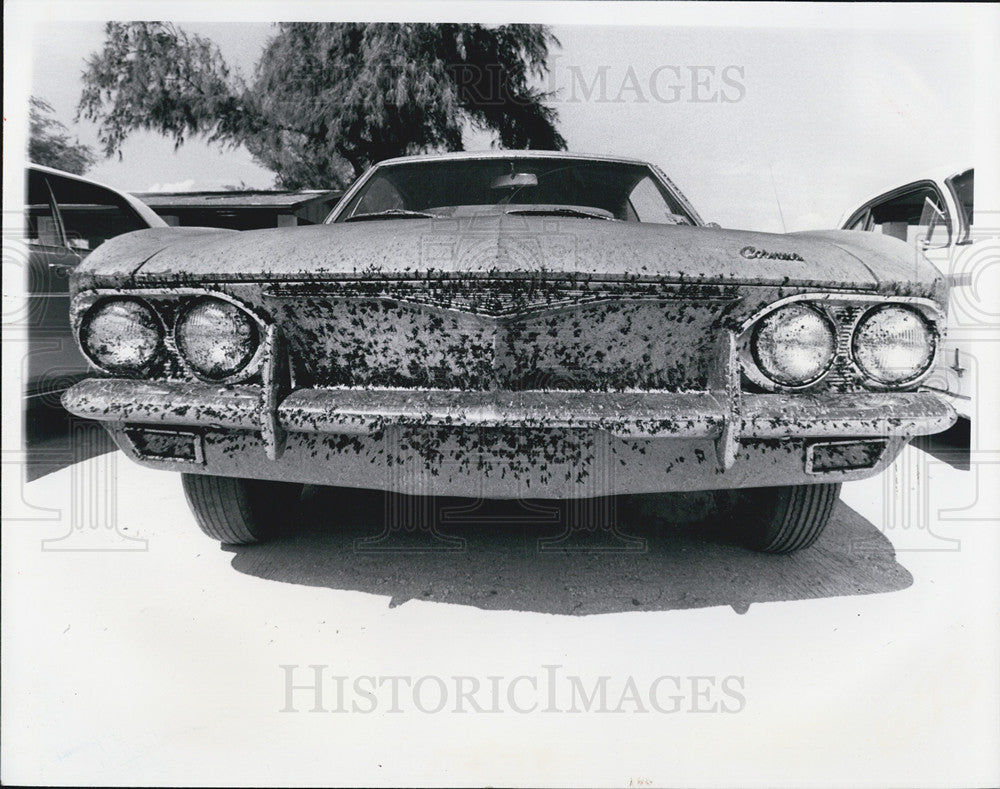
[(561, 187)]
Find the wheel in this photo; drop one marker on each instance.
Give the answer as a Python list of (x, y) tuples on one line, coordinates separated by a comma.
[(240, 511), (787, 518)]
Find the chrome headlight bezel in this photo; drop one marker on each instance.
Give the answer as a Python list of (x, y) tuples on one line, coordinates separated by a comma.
[(169, 303), (845, 311)]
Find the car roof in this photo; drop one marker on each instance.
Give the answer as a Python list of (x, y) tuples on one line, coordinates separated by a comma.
[(510, 154), (148, 214), (938, 175)]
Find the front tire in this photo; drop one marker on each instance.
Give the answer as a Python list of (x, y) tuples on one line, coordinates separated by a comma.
[(239, 511), (787, 518)]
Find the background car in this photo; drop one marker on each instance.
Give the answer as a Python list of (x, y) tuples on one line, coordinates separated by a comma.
[(935, 216), (66, 218)]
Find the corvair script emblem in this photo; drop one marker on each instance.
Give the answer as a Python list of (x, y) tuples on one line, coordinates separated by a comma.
[(753, 253)]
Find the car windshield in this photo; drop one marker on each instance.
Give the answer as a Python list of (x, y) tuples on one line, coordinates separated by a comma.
[(587, 189)]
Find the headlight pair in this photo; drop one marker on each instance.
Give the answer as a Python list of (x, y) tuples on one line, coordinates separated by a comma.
[(795, 345), (215, 338)]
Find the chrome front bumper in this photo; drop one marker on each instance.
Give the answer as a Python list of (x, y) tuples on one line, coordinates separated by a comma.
[(337, 436), (637, 415)]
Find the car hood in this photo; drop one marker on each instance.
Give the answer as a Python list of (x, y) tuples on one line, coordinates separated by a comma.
[(507, 245)]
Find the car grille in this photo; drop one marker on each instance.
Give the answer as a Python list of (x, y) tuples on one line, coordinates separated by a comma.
[(494, 336), (844, 376)]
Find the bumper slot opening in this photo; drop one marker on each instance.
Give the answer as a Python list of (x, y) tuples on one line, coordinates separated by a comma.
[(825, 456), (166, 445)]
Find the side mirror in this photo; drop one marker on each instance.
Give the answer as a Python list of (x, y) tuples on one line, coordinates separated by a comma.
[(937, 224)]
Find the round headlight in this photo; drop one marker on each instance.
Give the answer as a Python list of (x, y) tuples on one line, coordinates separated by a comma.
[(216, 338), (121, 335), (794, 345), (893, 345)]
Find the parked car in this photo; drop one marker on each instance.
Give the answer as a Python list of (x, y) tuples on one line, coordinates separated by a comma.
[(934, 215), (66, 218), (512, 324)]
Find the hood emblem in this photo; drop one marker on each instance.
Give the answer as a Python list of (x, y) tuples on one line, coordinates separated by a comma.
[(755, 253)]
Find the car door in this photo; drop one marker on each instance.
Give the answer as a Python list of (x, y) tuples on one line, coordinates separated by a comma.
[(957, 373)]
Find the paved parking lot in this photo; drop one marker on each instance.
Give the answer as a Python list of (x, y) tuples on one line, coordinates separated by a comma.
[(498, 647)]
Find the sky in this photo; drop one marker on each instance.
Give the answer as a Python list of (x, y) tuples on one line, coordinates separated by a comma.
[(765, 124)]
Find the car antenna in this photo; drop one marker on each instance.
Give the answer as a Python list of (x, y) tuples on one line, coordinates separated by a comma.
[(774, 189)]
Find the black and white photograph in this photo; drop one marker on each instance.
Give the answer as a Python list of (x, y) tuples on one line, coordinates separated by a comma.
[(501, 394)]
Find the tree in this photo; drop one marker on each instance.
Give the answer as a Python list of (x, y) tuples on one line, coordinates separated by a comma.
[(49, 143), (326, 100)]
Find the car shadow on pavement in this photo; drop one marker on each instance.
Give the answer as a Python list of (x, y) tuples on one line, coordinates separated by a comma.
[(509, 555), (54, 440), (953, 446)]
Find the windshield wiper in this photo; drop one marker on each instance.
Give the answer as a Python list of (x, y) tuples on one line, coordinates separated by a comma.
[(392, 213), (559, 212)]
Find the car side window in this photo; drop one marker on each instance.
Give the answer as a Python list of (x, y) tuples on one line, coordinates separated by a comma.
[(860, 221), (41, 227), (381, 195), (907, 215), (91, 214), (41, 224), (962, 188), (646, 204)]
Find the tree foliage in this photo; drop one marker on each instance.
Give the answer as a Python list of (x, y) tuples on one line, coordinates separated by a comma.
[(326, 100), (49, 142)]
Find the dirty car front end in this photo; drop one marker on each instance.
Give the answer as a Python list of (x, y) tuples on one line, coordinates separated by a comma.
[(511, 355)]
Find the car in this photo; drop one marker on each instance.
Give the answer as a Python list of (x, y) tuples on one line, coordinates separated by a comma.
[(530, 324), (934, 214), (66, 218)]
